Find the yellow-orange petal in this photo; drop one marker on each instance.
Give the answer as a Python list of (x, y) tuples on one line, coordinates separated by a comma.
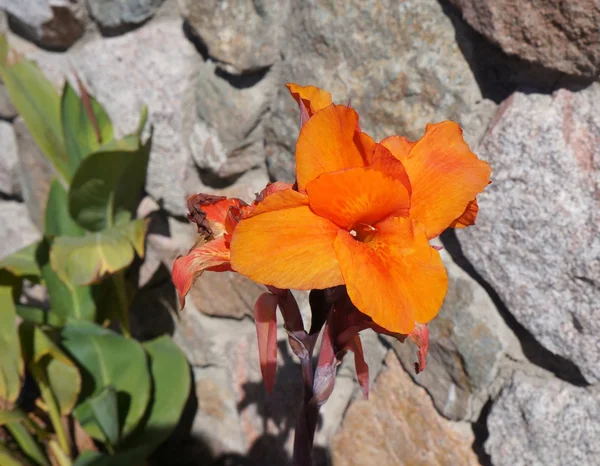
[(290, 248), (382, 160), (399, 146), (326, 144), (279, 200), (314, 99), (206, 256), (468, 216), (444, 175), (396, 277), (365, 145), (357, 196)]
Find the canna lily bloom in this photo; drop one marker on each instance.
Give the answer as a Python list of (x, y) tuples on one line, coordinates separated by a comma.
[(363, 214), (216, 218)]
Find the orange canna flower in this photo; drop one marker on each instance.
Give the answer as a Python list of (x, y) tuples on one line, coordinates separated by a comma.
[(363, 214)]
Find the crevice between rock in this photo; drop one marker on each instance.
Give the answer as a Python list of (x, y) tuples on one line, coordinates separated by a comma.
[(533, 350), (481, 433)]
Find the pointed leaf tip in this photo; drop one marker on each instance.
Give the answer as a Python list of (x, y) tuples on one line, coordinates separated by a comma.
[(265, 318)]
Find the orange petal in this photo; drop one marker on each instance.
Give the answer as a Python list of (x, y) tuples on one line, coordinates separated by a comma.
[(468, 216), (382, 160), (326, 144), (187, 269), (357, 196), (272, 188), (395, 277), (265, 318), (279, 200), (365, 144), (204, 207), (445, 176), (290, 248), (314, 99), (399, 146)]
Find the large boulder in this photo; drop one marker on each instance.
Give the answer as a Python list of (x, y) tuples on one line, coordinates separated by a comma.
[(557, 34), (537, 239), (544, 422), (113, 15), (53, 24), (16, 229), (9, 161), (398, 63)]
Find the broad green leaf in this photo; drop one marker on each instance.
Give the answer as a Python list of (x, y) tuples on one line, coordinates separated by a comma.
[(38, 316), (67, 300), (107, 186), (7, 458), (132, 457), (23, 263), (99, 416), (3, 49), (60, 373), (11, 364), (58, 219), (7, 417), (82, 135), (87, 259), (171, 389), (110, 359), (27, 443), (38, 103)]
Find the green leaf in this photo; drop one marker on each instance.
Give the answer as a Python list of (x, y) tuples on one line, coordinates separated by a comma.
[(59, 372), (3, 49), (87, 259), (38, 316), (27, 443), (66, 298), (11, 364), (99, 416), (7, 458), (58, 219), (82, 135), (171, 389), (110, 359), (23, 263), (107, 186), (7, 417), (38, 103)]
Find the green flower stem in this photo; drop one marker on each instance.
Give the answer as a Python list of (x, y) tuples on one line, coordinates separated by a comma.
[(62, 459)]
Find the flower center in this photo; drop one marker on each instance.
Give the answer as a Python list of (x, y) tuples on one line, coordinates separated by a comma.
[(363, 232)]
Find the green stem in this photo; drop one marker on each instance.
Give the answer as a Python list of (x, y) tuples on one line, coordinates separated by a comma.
[(53, 410), (62, 459), (123, 313)]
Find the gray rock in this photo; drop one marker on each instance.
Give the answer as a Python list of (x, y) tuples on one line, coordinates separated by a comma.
[(228, 136), (468, 343), (16, 229), (537, 239), (242, 36), (9, 160), (544, 422), (113, 14), (398, 63), (7, 109), (157, 66), (35, 173), (54, 24), (558, 35)]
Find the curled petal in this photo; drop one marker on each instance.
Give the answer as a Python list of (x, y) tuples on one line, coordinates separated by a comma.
[(445, 177), (279, 200), (468, 216), (213, 255), (265, 318), (420, 337), (365, 145), (362, 369), (324, 380), (272, 188), (289, 248), (395, 277), (357, 196), (313, 98), (326, 144), (214, 209)]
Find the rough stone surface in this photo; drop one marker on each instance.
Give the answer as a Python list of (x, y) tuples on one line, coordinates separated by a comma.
[(557, 34), (544, 422), (16, 229), (242, 36), (398, 425), (7, 109), (537, 240), (35, 173), (54, 24), (9, 160), (468, 342), (398, 63), (228, 136), (112, 14)]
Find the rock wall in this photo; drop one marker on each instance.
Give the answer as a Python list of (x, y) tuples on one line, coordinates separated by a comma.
[(513, 375)]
